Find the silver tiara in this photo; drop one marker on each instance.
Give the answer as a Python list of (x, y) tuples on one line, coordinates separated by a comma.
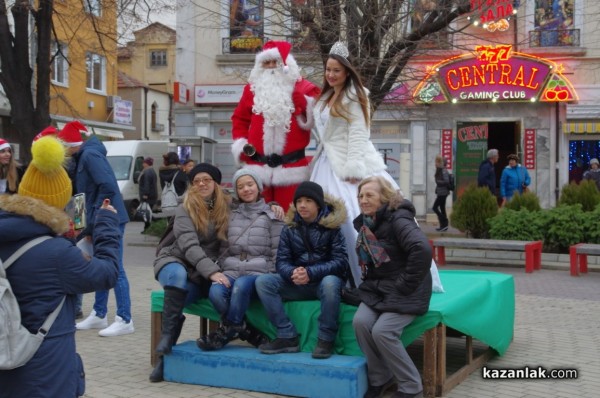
[(340, 49)]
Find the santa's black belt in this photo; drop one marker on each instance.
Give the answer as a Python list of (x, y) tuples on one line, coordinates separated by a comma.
[(275, 160)]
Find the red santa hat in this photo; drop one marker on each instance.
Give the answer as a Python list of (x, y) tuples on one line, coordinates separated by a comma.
[(70, 135), (277, 50), (50, 130), (4, 144)]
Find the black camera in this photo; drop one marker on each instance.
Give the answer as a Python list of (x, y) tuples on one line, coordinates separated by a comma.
[(249, 150)]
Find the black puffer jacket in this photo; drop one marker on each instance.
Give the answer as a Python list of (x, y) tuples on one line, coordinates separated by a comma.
[(327, 252), (402, 285)]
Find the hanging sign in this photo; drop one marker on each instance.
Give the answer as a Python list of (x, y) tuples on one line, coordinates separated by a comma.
[(529, 149), (447, 147), (495, 74)]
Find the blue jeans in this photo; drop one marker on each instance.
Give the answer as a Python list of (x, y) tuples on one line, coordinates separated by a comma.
[(233, 302), (175, 274), (121, 290), (272, 289)]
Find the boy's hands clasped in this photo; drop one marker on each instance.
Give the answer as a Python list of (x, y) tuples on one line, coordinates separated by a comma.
[(300, 276)]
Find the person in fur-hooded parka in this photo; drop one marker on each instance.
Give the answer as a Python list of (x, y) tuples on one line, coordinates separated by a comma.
[(312, 263), (41, 278)]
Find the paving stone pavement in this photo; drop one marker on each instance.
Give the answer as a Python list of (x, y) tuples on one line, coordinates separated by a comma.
[(557, 326)]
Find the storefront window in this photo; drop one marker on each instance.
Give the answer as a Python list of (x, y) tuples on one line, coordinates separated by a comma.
[(580, 153)]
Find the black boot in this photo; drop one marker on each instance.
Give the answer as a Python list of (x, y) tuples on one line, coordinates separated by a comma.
[(157, 373), (220, 337), (172, 321), (253, 336)]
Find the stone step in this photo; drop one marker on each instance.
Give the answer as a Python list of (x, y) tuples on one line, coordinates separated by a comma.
[(245, 368)]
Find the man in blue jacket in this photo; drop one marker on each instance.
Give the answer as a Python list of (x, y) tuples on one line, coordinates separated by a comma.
[(95, 178), (487, 172)]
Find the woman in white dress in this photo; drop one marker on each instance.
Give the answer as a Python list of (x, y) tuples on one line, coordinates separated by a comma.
[(345, 155)]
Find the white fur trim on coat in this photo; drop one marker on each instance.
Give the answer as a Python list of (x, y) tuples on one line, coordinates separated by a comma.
[(280, 176), (308, 122), (237, 148)]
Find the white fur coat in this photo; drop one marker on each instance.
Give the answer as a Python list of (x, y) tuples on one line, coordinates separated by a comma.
[(347, 143)]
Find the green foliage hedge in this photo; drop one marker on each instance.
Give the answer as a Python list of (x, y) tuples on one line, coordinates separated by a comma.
[(558, 228), (472, 210), (576, 218)]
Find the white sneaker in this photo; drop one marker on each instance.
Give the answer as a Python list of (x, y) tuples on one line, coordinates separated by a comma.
[(119, 327), (92, 322)]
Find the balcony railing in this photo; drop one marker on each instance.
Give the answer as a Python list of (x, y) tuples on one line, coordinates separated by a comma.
[(243, 44), (253, 44), (554, 38)]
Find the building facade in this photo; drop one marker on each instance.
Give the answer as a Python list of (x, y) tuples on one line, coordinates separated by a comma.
[(538, 98), (84, 67)]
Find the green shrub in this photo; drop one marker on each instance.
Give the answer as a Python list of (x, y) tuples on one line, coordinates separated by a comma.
[(585, 193), (517, 225), (157, 228), (527, 200), (472, 210), (564, 226), (591, 226)]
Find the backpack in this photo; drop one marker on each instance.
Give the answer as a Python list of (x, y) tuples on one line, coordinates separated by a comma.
[(17, 345), (169, 198), (168, 237), (451, 182)]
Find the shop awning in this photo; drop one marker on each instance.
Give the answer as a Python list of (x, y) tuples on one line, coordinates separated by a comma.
[(582, 127)]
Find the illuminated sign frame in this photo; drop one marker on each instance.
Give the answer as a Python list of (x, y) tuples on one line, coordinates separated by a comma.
[(495, 74)]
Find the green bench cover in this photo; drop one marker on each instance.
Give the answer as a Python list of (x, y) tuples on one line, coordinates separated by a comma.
[(480, 304)]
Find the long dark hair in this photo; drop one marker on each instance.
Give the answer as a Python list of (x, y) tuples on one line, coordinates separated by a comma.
[(353, 79)]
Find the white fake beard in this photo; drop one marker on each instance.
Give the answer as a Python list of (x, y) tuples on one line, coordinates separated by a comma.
[(273, 96)]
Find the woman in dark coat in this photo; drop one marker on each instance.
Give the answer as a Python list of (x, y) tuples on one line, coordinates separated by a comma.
[(442, 190), (52, 270), (395, 257)]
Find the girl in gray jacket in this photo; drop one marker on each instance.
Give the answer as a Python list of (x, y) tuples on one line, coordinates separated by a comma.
[(253, 238)]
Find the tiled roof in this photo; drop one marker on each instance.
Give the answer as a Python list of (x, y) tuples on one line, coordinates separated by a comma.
[(126, 81)]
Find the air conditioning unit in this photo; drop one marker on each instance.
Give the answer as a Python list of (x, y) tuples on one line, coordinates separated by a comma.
[(158, 127), (111, 100)]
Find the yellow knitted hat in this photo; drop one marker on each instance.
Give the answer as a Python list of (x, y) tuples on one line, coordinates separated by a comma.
[(46, 178)]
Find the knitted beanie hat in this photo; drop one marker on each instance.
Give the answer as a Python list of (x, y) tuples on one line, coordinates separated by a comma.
[(246, 172), (70, 135), (594, 161), (207, 168), (46, 178), (311, 190)]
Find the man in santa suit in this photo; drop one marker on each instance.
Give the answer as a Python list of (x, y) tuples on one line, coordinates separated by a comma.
[(272, 122)]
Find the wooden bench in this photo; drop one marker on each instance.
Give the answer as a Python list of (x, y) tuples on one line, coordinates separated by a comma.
[(487, 296), (578, 255), (532, 249)]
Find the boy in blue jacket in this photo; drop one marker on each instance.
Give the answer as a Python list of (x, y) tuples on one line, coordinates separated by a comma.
[(312, 263)]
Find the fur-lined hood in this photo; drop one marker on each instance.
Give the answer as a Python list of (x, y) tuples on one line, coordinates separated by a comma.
[(398, 202), (336, 217), (57, 220)]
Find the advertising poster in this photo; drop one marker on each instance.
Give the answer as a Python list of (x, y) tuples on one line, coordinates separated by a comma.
[(471, 149)]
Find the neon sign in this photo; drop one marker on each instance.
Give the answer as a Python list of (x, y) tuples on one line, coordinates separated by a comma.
[(495, 74)]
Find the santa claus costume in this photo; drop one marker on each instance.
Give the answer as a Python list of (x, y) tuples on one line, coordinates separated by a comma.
[(272, 122)]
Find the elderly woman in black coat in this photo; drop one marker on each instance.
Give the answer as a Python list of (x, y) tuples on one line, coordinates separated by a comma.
[(395, 257)]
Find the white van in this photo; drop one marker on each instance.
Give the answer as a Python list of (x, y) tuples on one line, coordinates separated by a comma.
[(125, 158)]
